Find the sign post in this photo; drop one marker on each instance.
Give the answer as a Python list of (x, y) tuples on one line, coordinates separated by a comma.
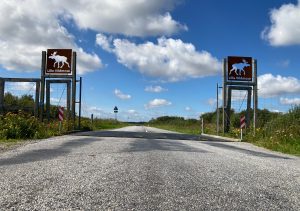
[(243, 124), (116, 111)]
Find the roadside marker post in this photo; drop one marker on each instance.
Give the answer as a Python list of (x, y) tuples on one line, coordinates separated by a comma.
[(60, 116), (243, 124)]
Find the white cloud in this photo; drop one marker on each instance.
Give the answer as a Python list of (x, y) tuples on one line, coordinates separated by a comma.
[(290, 101), (169, 60), (285, 24), (272, 86), (156, 89), (104, 41), (28, 27), (157, 103), (132, 111), (187, 108), (130, 17), (20, 86), (122, 96)]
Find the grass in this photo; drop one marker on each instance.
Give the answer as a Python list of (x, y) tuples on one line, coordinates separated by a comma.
[(18, 128), (282, 133), (188, 129)]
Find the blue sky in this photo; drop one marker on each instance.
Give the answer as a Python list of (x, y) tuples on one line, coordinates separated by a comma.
[(153, 58)]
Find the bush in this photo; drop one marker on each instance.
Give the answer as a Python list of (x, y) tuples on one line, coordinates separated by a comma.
[(21, 125)]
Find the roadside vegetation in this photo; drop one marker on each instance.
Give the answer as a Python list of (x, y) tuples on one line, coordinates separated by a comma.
[(16, 125), (275, 131)]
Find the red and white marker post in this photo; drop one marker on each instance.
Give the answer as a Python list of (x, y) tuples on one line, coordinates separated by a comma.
[(243, 125), (60, 116)]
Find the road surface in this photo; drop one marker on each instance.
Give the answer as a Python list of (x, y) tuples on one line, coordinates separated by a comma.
[(141, 168)]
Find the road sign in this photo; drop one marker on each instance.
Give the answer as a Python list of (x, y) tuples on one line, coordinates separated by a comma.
[(243, 121), (115, 109), (239, 68), (61, 113), (59, 61)]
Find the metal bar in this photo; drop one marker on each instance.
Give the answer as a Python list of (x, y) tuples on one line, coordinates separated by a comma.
[(240, 83), (228, 109), (37, 98), (48, 100), (2, 86), (59, 81), (248, 108), (42, 95), (224, 92), (255, 97), (73, 88), (59, 76), (68, 99), (80, 90), (217, 109), (21, 79)]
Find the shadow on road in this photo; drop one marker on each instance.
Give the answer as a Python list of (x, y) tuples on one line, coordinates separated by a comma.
[(148, 135), (246, 151), (45, 154), (145, 145)]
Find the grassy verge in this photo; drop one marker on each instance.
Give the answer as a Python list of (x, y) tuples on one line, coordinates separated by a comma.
[(19, 128), (281, 133)]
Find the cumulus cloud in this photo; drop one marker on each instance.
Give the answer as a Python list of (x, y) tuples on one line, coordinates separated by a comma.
[(169, 60), (285, 24), (156, 89), (28, 27), (272, 86), (157, 103), (290, 101), (104, 41), (121, 95), (130, 17)]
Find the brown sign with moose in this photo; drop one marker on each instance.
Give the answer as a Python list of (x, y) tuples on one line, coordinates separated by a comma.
[(59, 61), (239, 68)]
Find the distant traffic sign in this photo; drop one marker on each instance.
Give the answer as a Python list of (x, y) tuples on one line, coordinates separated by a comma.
[(115, 109)]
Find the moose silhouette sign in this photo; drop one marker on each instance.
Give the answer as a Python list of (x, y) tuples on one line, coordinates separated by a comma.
[(239, 68), (59, 61)]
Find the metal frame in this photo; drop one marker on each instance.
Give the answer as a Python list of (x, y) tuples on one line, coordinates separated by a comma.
[(48, 83), (228, 86), (72, 78), (37, 91)]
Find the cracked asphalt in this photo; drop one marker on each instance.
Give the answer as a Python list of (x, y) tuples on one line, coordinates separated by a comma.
[(143, 168)]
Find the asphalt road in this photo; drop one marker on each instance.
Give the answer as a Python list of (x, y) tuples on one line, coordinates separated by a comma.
[(138, 168)]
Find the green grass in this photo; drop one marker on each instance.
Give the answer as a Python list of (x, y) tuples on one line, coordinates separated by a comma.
[(281, 133), (188, 129)]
